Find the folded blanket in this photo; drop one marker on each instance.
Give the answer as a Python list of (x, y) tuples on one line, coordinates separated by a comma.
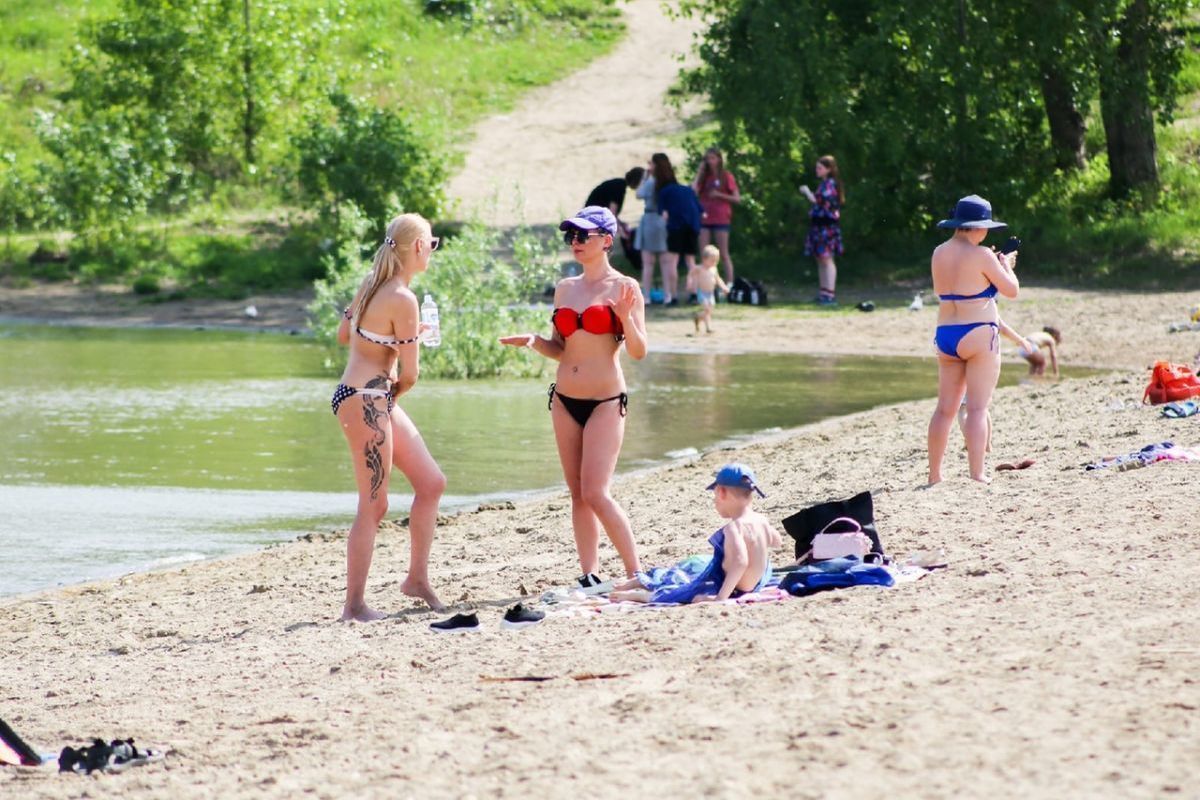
[(835, 573)]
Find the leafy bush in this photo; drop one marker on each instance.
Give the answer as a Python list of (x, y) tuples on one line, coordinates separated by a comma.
[(370, 157), (145, 285), (480, 298)]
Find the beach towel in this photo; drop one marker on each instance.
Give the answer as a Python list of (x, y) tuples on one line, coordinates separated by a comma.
[(1180, 410), (1150, 454), (707, 581)]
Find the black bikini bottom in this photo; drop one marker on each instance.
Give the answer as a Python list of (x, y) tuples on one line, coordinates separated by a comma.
[(581, 410)]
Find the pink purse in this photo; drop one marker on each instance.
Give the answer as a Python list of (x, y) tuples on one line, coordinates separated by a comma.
[(844, 543)]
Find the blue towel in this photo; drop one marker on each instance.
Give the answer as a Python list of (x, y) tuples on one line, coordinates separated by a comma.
[(690, 583), (835, 573)]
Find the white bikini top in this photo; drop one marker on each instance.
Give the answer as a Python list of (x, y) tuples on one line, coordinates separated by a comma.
[(386, 341)]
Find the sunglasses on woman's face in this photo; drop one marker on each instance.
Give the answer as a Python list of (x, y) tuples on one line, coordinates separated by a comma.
[(434, 241), (573, 235)]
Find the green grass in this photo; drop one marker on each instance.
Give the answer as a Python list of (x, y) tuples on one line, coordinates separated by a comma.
[(446, 72)]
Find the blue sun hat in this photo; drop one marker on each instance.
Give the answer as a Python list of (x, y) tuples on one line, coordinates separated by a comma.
[(738, 475), (972, 212)]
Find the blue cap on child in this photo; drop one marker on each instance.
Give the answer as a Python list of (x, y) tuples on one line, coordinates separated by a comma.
[(736, 475)]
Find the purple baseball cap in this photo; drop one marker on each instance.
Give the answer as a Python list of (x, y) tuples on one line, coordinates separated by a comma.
[(736, 475), (590, 218)]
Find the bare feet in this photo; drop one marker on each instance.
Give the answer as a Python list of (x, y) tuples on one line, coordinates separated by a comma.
[(934, 479), (984, 479), (422, 591), (363, 613), (696, 320)]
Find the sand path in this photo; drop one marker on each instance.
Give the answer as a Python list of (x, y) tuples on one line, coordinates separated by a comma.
[(539, 162)]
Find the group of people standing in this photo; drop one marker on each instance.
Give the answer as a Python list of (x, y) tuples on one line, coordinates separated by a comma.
[(679, 220), (595, 314)]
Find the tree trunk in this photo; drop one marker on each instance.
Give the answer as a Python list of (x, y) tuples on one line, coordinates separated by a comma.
[(1125, 107), (247, 87), (1067, 126)]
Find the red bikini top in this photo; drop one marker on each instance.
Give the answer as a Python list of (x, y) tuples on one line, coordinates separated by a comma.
[(595, 319)]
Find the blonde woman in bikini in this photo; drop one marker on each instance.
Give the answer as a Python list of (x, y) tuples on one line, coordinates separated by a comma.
[(594, 314), (967, 277), (381, 327)]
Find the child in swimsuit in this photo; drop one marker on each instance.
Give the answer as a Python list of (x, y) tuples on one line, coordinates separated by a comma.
[(742, 548), (1048, 338), (704, 281)]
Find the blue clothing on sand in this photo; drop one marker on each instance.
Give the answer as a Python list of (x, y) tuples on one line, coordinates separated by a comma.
[(835, 573), (693, 577), (682, 206)]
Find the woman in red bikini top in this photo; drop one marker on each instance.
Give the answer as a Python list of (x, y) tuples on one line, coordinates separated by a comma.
[(594, 313)]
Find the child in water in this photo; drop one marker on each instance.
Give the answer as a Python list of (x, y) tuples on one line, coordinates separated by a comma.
[(703, 280), (741, 559)]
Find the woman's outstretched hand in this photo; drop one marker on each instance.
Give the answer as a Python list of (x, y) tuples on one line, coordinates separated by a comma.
[(519, 340), (626, 302)]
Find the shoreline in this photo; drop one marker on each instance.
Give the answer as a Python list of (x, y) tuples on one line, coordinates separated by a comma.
[(1101, 328)]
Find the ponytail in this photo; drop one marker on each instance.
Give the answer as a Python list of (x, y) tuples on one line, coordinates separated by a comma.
[(401, 233)]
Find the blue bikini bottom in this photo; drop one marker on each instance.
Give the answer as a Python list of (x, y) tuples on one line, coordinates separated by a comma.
[(947, 337)]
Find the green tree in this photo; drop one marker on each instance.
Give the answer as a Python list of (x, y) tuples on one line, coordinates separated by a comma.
[(1137, 60), (226, 79), (923, 102), (368, 156)]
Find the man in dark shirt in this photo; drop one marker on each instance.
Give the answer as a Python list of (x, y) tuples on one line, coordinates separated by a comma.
[(611, 195)]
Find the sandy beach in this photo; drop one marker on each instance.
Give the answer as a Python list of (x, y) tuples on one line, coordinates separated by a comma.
[(1051, 658)]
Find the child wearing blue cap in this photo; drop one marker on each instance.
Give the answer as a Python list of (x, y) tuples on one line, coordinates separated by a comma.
[(741, 560)]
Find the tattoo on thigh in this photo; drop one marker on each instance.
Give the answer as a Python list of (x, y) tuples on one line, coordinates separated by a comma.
[(375, 416)]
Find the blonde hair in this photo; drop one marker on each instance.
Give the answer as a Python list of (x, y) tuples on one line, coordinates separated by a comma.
[(389, 259), (710, 251)]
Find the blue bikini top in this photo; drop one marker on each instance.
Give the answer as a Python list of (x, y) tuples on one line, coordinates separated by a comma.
[(987, 294)]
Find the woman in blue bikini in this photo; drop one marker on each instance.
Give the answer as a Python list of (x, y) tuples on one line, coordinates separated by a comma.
[(967, 277), (594, 313), (380, 326)]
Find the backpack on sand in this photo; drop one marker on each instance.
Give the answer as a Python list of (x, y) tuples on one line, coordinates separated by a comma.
[(1170, 382)]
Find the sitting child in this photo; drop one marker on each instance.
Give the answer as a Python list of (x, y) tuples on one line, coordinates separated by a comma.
[(741, 560), (703, 280), (1048, 338)]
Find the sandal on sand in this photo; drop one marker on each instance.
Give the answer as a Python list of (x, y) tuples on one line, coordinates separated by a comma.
[(1022, 464)]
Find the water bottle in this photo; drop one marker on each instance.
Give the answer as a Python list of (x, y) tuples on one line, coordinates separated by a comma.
[(429, 316)]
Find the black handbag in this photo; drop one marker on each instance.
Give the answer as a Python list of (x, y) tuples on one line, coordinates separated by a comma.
[(804, 525)]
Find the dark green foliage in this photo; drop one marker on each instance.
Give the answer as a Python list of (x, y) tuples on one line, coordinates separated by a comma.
[(368, 156), (922, 102)]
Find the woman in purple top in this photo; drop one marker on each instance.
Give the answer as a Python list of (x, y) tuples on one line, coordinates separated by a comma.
[(824, 227)]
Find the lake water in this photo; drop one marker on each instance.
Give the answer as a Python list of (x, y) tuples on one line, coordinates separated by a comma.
[(123, 450)]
